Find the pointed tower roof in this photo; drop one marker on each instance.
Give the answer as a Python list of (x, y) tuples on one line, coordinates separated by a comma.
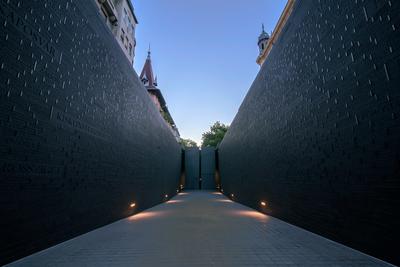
[(147, 76), (264, 35)]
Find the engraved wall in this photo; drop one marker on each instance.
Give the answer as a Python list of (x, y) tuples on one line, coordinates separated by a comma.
[(317, 136), (80, 137)]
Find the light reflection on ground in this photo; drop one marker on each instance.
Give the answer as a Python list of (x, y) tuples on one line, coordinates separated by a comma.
[(147, 215), (223, 200), (172, 201), (251, 214)]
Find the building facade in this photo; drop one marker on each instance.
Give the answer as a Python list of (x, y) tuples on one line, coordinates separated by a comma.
[(150, 82), (119, 15), (266, 42)]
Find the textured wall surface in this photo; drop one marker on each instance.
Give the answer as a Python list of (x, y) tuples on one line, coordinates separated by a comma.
[(317, 136), (192, 168), (80, 138), (207, 168)]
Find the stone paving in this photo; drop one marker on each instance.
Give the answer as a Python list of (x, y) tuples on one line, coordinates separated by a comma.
[(199, 228)]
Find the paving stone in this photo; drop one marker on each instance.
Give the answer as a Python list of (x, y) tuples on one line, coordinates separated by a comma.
[(199, 228)]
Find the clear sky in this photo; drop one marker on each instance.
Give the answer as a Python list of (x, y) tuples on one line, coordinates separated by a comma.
[(203, 53)]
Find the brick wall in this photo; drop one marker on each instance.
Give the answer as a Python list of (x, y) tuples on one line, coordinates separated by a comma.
[(317, 136), (80, 137)]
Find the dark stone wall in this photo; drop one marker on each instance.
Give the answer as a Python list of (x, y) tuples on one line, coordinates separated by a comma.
[(80, 138), (317, 136)]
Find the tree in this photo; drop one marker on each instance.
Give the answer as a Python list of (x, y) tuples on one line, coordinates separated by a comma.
[(188, 143), (215, 135), (167, 117)]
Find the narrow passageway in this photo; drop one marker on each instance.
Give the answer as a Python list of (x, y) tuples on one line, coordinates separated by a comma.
[(199, 228)]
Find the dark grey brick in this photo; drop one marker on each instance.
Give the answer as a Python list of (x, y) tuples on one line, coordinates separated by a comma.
[(80, 138), (317, 136)]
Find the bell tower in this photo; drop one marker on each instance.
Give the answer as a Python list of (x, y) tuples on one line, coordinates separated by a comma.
[(263, 40)]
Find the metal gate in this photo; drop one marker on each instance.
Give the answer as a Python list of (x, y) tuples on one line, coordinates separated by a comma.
[(192, 168), (207, 167), (200, 168)]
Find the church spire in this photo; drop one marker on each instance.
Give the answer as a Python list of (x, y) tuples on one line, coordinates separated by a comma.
[(146, 75)]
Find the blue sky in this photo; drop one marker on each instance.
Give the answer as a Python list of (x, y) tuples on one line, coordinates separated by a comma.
[(203, 52)]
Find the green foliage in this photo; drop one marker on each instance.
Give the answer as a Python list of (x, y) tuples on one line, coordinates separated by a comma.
[(215, 135), (188, 143), (167, 117)]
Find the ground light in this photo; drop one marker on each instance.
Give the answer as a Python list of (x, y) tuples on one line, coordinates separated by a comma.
[(263, 203), (166, 195), (133, 204), (232, 195)]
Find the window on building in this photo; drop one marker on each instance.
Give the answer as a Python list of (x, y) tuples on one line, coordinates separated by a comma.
[(104, 13), (126, 17), (130, 49), (127, 41), (122, 35)]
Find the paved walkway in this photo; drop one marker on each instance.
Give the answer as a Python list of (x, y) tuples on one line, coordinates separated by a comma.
[(199, 229)]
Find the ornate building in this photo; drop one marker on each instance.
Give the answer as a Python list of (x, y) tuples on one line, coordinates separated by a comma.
[(266, 42), (120, 18), (150, 82)]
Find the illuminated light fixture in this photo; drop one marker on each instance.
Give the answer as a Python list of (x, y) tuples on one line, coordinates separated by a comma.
[(166, 195), (177, 190), (232, 195), (263, 203), (132, 205), (222, 190)]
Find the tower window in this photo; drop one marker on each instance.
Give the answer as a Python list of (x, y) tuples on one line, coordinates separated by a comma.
[(262, 46)]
